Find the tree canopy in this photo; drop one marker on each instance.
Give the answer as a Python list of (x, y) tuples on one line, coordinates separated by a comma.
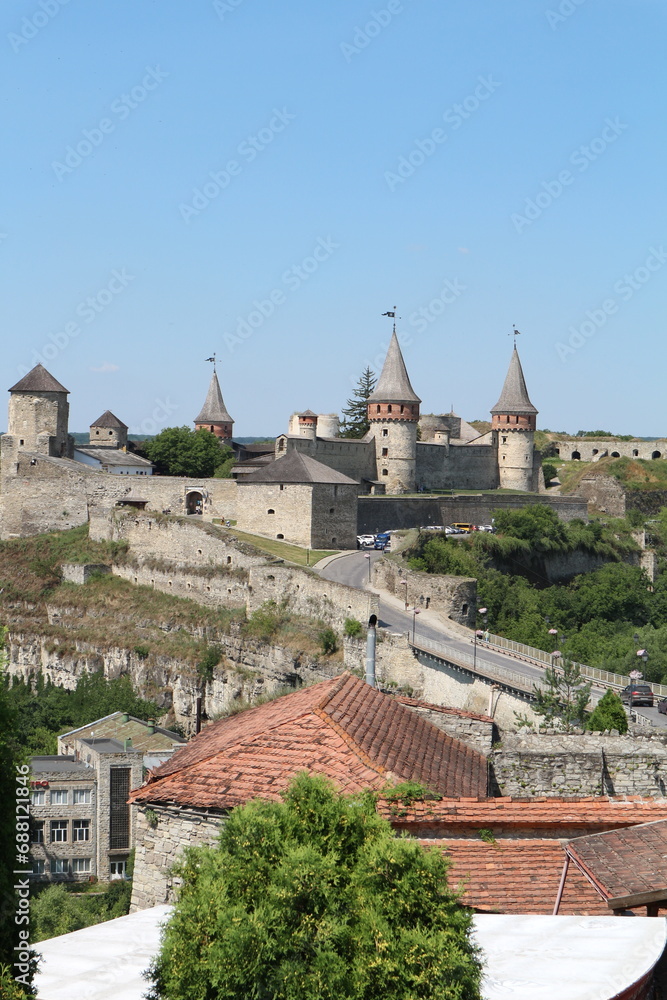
[(180, 451), (313, 898), (355, 424)]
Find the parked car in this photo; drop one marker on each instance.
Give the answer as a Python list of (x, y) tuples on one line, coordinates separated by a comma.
[(432, 527), (365, 541), (463, 527), (637, 694), (382, 540)]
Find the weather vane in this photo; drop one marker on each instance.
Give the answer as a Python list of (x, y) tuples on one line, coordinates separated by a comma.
[(515, 333), (213, 359), (392, 315)]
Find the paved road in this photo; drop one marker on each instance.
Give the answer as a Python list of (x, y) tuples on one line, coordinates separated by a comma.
[(353, 569)]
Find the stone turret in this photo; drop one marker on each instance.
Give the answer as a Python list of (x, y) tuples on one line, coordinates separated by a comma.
[(213, 415), (38, 416), (108, 431), (393, 413), (513, 419)]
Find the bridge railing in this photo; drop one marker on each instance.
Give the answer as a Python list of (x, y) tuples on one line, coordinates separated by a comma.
[(476, 663), (539, 656)]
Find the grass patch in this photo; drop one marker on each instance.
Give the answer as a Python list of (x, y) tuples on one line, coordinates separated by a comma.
[(283, 550)]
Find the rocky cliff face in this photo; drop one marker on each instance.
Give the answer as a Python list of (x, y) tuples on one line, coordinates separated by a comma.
[(248, 669)]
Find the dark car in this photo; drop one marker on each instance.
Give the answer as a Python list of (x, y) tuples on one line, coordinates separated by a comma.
[(637, 694)]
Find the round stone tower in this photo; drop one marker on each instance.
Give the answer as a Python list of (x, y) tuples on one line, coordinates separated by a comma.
[(513, 419), (213, 415), (393, 413)]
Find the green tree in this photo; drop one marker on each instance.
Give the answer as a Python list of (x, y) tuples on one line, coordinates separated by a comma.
[(180, 451), (608, 714), (564, 695), (355, 424), (315, 899), (550, 472)]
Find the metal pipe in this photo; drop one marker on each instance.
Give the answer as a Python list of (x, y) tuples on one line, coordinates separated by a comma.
[(198, 716), (562, 885), (371, 637)]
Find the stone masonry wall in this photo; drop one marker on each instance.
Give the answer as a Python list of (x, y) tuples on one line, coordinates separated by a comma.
[(308, 594), (450, 596), (160, 845), (536, 764), (391, 513), (604, 493)]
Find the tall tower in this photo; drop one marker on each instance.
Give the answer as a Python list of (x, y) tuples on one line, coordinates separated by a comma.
[(108, 431), (513, 418), (393, 413), (38, 415), (213, 415)]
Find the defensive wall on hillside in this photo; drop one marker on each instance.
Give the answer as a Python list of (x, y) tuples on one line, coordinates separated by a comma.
[(391, 513), (42, 494), (593, 449), (452, 597)]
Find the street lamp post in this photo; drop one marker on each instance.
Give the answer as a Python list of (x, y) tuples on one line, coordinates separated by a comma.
[(404, 583), (484, 612), (476, 635), (367, 555), (415, 612)]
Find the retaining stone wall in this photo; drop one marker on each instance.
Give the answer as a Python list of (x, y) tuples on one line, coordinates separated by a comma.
[(450, 596)]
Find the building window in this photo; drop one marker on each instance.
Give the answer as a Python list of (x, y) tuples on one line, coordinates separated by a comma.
[(38, 798), (504, 440), (38, 867), (385, 452), (331, 510), (385, 472), (282, 487), (402, 408), (37, 833), (119, 810), (385, 432), (80, 866), (81, 829), (60, 866), (377, 410), (280, 536), (389, 408), (58, 831), (59, 797), (270, 511), (118, 868)]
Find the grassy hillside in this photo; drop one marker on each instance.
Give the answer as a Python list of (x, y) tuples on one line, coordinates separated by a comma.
[(634, 473)]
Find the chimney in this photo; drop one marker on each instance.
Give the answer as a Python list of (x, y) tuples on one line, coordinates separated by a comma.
[(371, 638), (151, 726)]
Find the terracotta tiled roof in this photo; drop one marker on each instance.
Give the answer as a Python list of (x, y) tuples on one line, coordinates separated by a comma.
[(417, 703), (625, 864), (514, 397), (507, 813), (342, 728), (38, 380), (517, 876)]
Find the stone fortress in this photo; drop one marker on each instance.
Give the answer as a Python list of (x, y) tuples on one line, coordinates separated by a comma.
[(404, 452), (306, 489)]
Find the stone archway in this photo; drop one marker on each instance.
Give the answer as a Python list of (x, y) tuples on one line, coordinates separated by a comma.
[(194, 502)]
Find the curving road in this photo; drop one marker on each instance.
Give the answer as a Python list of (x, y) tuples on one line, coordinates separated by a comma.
[(353, 570)]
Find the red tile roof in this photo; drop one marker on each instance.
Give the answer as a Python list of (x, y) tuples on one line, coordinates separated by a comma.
[(342, 728), (627, 864), (445, 710), (517, 876)]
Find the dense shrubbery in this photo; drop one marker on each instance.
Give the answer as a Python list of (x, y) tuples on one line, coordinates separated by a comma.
[(314, 898), (56, 910), (45, 711), (608, 714), (598, 612)]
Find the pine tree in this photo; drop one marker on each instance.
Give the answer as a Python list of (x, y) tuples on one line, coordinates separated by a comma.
[(608, 714), (355, 424), (564, 695)]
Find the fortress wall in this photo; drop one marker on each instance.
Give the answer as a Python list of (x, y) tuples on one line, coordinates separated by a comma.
[(473, 467), (53, 494), (354, 458), (271, 509), (309, 594), (590, 449), (604, 493), (391, 513), (452, 597), (222, 590), (175, 540)]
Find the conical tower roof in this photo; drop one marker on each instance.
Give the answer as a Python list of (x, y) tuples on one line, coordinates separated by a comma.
[(394, 384), (214, 410), (38, 380), (514, 398), (109, 419)]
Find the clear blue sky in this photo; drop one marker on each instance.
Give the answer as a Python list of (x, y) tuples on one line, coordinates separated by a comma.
[(541, 188)]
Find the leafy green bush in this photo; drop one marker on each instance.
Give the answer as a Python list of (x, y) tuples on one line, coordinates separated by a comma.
[(353, 628), (608, 714), (550, 472), (328, 641), (142, 651), (266, 621), (314, 898), (208, 663)]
